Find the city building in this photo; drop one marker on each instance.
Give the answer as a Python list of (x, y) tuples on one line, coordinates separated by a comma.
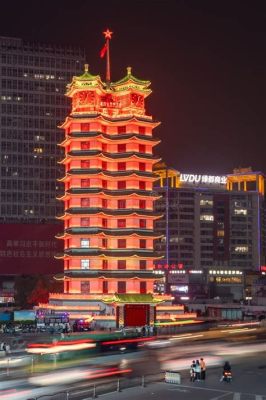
[(33, 77), (213, 231), (108, 202)]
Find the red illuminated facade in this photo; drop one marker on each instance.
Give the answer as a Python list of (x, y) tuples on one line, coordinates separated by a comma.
[(109, 202)]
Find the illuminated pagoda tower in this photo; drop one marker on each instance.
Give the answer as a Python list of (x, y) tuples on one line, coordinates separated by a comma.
[(109, 203)]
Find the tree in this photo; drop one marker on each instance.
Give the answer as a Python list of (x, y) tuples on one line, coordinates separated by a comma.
[(34, 289)]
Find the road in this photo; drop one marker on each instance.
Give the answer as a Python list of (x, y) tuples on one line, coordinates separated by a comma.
[(249, 383), (174, 353)]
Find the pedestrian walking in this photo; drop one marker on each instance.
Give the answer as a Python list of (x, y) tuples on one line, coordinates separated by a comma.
[(192, 371), (203, 369), (197, 370)]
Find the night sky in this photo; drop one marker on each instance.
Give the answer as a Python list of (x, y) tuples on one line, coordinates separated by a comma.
[(205, 59)]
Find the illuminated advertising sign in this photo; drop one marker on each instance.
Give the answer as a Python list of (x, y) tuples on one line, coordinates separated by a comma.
[(203, 179)]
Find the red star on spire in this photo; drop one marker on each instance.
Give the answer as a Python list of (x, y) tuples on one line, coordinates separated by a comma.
[(108, 34)]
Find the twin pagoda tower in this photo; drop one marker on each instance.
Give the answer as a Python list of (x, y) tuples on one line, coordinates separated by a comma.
[(108, 203)]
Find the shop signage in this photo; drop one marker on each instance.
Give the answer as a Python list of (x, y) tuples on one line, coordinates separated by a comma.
[(206, 179)]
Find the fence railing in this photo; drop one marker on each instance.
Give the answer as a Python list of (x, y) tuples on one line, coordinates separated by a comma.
[(101, 388)]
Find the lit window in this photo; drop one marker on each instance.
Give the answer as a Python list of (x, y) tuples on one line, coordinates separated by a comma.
[(85, 243), (85, 183), (207, 217), (121, 243), (85, 264), (240, 211), (142, 244), (121, 204), (142, 204), (121, 166), (241, 249), (121, 287), (143, 287), (85, 202), (142, 264), (85, 222), (121, 264), (142, 166), (142, 223), (142, 148), (205, 202), (121, 148), (220, 233), (121, 223), (121, 185)]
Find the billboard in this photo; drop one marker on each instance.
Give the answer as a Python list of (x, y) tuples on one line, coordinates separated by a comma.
[(30, 249), (24, 315)]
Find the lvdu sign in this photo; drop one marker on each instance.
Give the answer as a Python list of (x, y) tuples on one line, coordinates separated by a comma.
[(206, 179)]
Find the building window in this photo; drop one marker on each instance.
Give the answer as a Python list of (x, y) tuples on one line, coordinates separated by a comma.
[(241, 249), (104, 165), (241, 211), (85, 164), (84, 287), (121, 287), (142, 185), (121, 185), (121, 166), (142, 264), (142, 223), (121, 204), (121, 148), (121, 130), (142, 204), (142, 287), (121, 243), (142, 166), (85, 127), (207, 217), (85, 183), (104, 243), (142, 148), (142, 130), (105, 287), (104, 222), (105, 264), (104, 203), (85, 264), (104, 184), (85, 243), (142, 243), (84, 221), (121, 223), (85, 202), (121, 264), (85, 145)]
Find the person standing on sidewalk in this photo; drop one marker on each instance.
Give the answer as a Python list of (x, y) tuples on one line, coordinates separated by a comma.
[(197, 370), (203, 369)]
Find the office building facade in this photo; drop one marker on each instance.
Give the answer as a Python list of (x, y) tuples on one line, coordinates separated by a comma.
[(33, 78), (212, 226)]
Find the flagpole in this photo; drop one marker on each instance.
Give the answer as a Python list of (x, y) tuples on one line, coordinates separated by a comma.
[(108, 36), (108, 69)]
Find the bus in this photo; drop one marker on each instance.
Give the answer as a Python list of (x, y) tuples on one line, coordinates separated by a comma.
[(75, 347)]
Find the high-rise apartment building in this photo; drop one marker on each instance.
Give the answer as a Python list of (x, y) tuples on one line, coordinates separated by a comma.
[(33, 78)]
